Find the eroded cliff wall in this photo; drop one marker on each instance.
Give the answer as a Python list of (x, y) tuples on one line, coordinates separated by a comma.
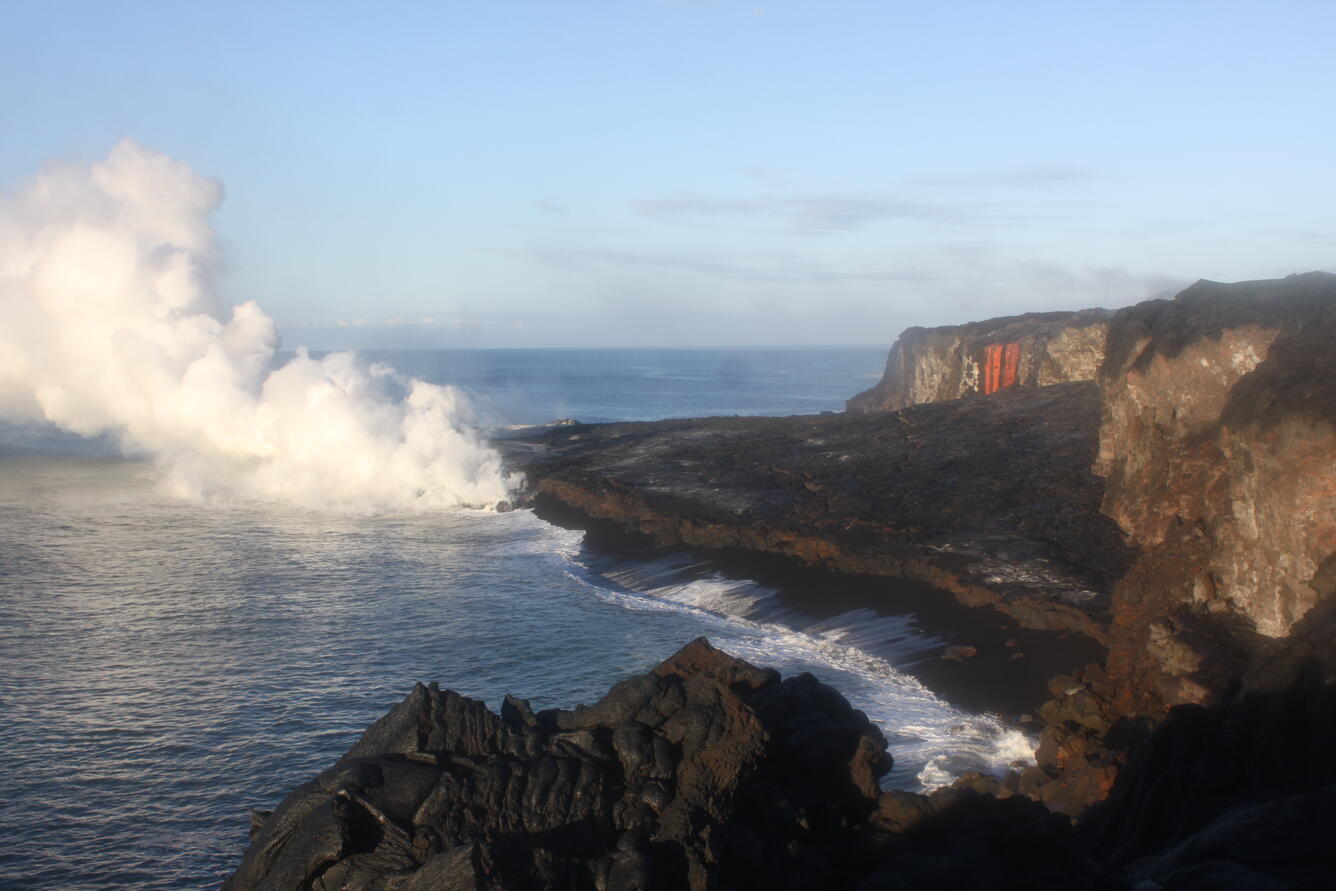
[(1032, 350), (1217, 446), (1217, 442), (1217, 439)]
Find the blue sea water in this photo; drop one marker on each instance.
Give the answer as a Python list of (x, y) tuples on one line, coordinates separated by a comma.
[(164, 665)]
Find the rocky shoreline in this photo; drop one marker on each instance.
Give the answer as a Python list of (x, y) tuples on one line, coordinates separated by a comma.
[(982, 660), (708, 772), (1159, 479), (990, 499)]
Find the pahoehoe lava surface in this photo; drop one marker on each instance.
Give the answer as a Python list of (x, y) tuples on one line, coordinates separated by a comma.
[(991, 498)]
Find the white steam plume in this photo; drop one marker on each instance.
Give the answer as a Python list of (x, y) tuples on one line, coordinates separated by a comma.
[(109, 324)]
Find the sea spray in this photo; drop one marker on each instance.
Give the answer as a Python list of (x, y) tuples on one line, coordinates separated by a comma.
[(933, 741), (109, 324)]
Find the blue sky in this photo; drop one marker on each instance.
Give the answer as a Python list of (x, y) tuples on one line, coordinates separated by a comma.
[(643, 172)]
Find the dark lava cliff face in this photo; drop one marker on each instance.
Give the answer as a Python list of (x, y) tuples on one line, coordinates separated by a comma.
[(1192, 535)]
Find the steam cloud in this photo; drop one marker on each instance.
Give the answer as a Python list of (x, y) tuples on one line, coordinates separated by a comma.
[(109, 324)]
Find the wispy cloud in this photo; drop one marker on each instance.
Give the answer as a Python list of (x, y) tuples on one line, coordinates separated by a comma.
[(762, 173), (1309, 236), (406, 321), (934, 200), (547, 206), (1025, 177), (777, 267), (833, 212)]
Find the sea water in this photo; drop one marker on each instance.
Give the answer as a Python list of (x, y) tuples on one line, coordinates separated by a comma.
[(166, 665)]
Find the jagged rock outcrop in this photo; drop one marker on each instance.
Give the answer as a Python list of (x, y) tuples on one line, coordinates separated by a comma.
[(710, 773), (704, 773), (991, 499), (1031, 350), (1217, 442)]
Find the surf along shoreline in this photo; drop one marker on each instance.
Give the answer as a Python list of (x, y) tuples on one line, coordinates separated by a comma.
[(978, 660)]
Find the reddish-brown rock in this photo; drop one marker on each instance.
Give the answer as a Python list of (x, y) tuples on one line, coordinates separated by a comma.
[(1218, 445)]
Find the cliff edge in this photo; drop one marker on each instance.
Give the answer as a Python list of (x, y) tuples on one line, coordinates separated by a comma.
[(1218, 450), (990, 499), (950, 362)]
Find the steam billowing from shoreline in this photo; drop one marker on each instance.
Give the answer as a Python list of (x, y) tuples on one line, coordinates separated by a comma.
[(109, 325)]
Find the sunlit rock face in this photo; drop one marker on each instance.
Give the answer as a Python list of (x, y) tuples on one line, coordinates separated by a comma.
[(1032, 350), (1216, 442)]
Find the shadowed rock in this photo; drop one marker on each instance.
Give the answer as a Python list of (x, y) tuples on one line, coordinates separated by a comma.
[(706, 772), (1241, 794), (710, 773)]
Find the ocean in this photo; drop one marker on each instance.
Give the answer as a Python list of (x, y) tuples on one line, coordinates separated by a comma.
[(166, 664)]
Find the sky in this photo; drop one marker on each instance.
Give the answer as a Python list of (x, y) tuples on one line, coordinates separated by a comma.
[(623, 173)]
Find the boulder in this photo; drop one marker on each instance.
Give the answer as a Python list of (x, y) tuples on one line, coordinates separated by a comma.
[(706, 772)]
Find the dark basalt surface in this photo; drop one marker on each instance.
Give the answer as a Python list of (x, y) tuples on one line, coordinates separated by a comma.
[(1241, 794), (706, 772), (991, 498), (709, 773)]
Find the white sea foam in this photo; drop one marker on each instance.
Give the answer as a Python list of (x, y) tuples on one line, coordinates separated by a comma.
[(109, 324), (535, 537), (932, 741)]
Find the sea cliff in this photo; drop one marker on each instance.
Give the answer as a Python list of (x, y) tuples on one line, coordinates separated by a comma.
[(1217, 446), (1157, 478), (1032, 350)]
